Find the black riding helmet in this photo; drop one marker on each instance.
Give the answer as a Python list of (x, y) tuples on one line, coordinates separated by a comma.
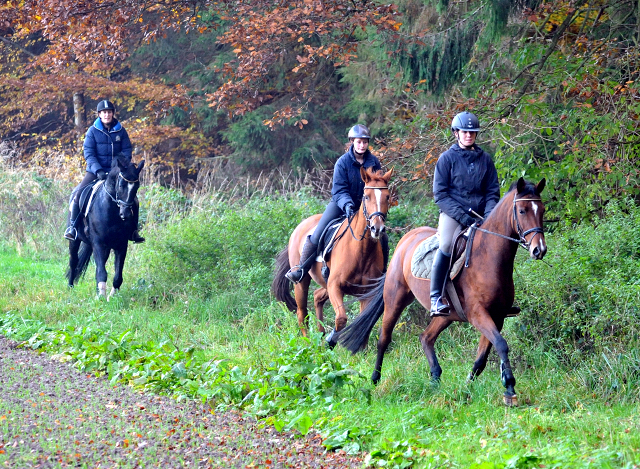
[(465, 121), (105, 105)]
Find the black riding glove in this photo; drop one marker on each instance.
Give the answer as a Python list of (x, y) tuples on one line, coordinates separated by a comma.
[(467, 220), (348, 210), (101, 174)]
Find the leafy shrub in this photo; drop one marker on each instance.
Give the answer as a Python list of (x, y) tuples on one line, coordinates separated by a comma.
[(224, 246), (590, 298)]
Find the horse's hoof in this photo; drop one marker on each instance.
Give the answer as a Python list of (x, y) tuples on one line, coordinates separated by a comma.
[(102, 289), (511, 401), (375, 378), (111, 293), (332, 338)]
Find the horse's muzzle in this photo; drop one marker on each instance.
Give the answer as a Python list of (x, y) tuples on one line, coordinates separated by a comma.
[(376, 231), (538, 250)]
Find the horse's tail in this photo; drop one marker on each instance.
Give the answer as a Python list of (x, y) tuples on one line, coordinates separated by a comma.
[(355, 336), (281, 286), (84, 256)]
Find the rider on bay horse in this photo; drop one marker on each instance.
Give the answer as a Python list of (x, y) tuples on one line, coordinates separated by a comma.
[(346, 196), (106, 139), (465, 182)]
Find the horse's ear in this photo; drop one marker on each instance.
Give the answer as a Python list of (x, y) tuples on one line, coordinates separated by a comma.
[(140, 166), (540, 186), (364, 175), (521, 185), (388, 175)]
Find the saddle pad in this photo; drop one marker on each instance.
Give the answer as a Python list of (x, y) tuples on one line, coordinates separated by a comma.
[(93, 192), (422, 259), (327, 240)]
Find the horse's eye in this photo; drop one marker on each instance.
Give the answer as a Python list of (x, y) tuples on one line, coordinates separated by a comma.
[(521, 212), (366, 197)]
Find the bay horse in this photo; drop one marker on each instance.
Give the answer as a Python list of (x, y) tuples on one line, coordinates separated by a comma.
[(107, 226), (355, 262), (485, 288)]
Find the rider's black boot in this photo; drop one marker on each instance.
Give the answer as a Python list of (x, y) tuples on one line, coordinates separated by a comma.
[(438, 277), (71, 233), (135, 236), (307, 258)]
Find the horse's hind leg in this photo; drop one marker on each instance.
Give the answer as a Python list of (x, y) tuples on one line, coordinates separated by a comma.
[(396, 299), (119, 257), (428, 341), (320, 297)]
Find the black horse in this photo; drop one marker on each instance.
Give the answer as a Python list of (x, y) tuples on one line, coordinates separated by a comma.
[(109, 224)]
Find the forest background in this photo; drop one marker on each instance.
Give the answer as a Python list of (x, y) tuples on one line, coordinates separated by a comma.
[(240, 110)]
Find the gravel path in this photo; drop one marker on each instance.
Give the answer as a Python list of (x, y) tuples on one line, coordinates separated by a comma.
[(52, 415)]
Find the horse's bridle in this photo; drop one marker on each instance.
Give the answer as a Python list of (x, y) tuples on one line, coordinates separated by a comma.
[(367, 216), (119, 202), (537, 229), (521, 240)]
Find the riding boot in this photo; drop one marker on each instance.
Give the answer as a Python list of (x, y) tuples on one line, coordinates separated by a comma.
[(307, 258), (71, 233), (135, 236), (384, 243), (438, 278)]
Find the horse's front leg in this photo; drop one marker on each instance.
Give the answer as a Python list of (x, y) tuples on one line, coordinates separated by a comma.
[(301, 290), (484, 347), (119, 257), (74, 246), (320, 297), (336, 296), (101, 255), (490, 330)]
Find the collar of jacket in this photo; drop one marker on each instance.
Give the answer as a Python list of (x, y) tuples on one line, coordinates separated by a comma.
[(466, 153), (367, 155), (100, 126)]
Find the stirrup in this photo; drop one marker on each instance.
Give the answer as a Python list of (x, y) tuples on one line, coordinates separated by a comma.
[(71, 233), (438, 307), (295, 275)]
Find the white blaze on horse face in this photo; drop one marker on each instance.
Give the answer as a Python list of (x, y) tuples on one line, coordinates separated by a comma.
[(535, 208), (378, 193)]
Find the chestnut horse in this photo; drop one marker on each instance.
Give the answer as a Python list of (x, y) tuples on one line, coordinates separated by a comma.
[(355, 262), (485, 288)]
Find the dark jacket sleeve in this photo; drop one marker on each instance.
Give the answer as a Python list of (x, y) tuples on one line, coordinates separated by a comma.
[(126, 145), (441, 194), (340, 189), (492, 187), (90, 148)]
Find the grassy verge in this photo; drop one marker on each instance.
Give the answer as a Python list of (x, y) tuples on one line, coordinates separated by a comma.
[(193, 347)]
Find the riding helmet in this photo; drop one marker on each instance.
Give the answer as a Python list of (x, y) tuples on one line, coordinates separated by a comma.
[(465, 121), (359, 131), (105, 105)]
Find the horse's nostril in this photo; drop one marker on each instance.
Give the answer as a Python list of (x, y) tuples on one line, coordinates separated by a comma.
[(536, 252)]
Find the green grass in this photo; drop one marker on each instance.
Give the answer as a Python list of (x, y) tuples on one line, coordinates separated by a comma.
[(405, 420)]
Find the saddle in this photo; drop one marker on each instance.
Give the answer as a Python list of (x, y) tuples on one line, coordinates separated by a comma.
[(422, 259), (326, 244), (85, 199)]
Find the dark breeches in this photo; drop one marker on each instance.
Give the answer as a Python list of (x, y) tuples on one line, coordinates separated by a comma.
[(88, 178), (330, 213)]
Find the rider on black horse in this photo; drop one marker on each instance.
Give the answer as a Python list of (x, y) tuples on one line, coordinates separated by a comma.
[(346, 196), (106, 139)]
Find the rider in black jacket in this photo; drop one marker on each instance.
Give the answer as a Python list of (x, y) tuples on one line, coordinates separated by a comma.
[(346, 195), (106, 139), (465, 181)]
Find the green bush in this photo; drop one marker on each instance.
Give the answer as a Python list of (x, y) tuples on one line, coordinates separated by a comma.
[(224, 246), (590, 298)]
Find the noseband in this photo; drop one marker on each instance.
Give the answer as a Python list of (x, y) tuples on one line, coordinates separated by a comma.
[(368, 217), (119, 202)]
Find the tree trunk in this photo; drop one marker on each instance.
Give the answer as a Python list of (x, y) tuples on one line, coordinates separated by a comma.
[(79, 119)]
